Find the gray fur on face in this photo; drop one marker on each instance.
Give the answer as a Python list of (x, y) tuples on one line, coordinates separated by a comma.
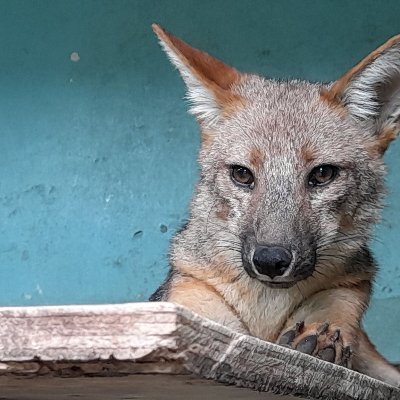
[(294, 131)]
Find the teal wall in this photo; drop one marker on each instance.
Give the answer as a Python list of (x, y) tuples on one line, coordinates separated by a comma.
[(98, 155)]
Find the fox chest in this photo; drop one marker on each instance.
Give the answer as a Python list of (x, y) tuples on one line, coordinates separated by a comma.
[(264, 311)]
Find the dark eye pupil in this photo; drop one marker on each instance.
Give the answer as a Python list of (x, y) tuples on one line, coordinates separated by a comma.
[(242, 175), (324, 172), (322, 175)]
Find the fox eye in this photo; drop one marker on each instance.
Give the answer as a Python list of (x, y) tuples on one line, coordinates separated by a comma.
[(322, 175), (242, 176)]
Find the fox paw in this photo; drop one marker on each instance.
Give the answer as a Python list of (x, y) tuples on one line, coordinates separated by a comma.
[(319, 340)]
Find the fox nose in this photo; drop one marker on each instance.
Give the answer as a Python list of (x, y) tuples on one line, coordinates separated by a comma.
[(272, 260)]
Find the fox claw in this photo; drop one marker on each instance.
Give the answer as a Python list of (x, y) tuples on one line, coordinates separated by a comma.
[(287, 338), (347, 353), (320, 340)]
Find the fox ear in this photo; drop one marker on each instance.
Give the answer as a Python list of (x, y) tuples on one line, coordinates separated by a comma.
[(208, 80), (370, 92)]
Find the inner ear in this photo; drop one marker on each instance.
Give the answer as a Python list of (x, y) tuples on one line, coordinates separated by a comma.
[(339, 87), (370, 92), (387, 92)]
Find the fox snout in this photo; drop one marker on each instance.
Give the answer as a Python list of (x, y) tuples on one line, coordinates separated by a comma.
[(276, 265)]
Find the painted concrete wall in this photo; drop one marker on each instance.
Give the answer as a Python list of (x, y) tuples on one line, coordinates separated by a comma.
[(98, 154)]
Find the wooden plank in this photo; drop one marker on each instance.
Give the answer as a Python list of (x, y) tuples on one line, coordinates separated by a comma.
[(161, 338)]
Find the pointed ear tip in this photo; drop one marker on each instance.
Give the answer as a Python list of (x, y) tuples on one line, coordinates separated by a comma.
[(156, 28), (159, 31)]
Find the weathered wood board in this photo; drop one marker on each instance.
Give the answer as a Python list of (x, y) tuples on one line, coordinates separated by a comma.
[(110, 345)]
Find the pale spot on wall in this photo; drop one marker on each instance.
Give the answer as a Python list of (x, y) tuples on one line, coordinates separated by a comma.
[(74, 57)]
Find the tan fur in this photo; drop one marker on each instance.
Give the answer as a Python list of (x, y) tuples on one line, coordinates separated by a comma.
[(265, 312), (329, 98), (223, 212), (329, 304), (232, 103), (206, 301), (346, 222), (206, 138), (379, 146), (258, 319), (368, 361), (282, 131), (307, 154), (257, 157)]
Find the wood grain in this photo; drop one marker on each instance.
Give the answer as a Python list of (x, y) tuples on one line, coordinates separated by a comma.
[(161, 338)]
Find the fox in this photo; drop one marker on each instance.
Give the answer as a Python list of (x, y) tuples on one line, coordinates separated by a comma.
[(291, 182)]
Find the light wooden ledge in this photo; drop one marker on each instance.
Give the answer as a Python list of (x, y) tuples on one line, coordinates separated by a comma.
[(157, 351)]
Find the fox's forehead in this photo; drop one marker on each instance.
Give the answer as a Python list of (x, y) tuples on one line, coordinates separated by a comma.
[(288, 119), (259, 88), (286, 106)]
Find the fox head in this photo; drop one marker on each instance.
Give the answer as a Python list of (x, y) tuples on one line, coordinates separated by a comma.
[(291, 172)]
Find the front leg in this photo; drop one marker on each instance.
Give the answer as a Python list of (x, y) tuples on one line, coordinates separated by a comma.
[(327, 326), (204, 300)]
